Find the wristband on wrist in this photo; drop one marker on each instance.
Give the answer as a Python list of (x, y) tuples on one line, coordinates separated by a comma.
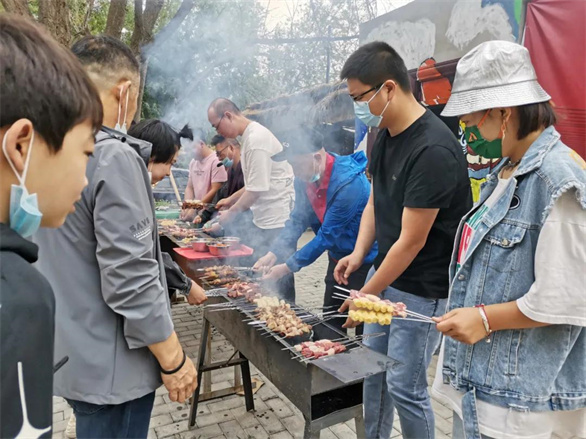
[(485, 321), (177, 369)]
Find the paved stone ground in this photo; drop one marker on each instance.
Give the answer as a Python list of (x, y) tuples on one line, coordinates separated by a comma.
[(275, 417)]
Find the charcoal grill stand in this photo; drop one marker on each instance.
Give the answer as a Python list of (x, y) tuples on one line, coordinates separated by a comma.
[(327, 391), (205, 367)]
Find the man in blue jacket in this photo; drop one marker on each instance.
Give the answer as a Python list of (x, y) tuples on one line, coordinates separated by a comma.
[(331, 192)]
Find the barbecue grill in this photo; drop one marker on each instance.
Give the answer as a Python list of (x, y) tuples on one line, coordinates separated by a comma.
[(327, 391)]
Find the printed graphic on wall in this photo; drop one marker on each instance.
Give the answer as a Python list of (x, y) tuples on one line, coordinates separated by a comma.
[(429, 37)]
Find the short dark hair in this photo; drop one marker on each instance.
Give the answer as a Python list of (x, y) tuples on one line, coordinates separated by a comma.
[(221, 105), (374, 63), (199, 135), (42, 81), (533, 117), (165, 140), (217, 139), (105, 55)]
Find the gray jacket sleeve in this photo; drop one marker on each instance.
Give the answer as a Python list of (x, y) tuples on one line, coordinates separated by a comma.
[(129, 271), (176, 278)]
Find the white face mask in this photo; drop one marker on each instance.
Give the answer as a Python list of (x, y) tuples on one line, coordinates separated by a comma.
[(122, 128), (150, 173)]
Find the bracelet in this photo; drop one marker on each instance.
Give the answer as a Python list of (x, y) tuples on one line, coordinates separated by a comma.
[(485, 321), (177, 369)]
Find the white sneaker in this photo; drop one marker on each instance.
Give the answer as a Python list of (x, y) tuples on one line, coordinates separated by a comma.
[(70, 430)]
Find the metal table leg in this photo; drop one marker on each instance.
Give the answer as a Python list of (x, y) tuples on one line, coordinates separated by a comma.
[(207, 376), (309, 432), (360, 428), (247, 383), (200, 367)]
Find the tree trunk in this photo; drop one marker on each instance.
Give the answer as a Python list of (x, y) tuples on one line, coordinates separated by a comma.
[(144, 22), (175, 22), (54, 15), (116, 15), (85, 28), (19, 7), (138, 28), (144, 66)]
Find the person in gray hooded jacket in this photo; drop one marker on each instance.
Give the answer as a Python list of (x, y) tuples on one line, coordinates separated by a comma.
[(113, 314)]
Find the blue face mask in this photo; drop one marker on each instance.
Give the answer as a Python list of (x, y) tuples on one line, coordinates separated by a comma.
[(315, 177), (227, 162), (25, 216), (362, 111)]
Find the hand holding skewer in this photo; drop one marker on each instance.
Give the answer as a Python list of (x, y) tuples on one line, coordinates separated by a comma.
[(197, 295), (265, 263), (277, 272), (350, 306)]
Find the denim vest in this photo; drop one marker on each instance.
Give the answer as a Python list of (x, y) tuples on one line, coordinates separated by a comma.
[(538, 369)]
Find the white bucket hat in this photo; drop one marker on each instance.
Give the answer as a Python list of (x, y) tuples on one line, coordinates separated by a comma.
[(492, 75)]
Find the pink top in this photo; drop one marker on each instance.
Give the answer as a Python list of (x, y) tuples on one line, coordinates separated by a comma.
[(203, 173)]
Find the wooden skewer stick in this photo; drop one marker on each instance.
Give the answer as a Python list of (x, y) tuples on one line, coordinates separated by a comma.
[(174, 184)]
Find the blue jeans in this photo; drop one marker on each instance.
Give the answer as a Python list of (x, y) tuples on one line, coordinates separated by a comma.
[(458, 429), (410, 345), (127, 420)]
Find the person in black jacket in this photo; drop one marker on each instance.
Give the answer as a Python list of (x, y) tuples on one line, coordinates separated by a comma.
[(228, 152), (49, 115), (166, 143)]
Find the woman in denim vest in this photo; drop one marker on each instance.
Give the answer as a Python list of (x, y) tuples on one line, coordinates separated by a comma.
[(513, 362)]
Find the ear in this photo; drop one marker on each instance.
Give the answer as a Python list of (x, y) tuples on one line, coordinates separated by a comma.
[(506, 113), (391, 87), (121, 88), (17, 139)]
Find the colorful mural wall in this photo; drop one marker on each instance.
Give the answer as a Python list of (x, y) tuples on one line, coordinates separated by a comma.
[(431, 36)]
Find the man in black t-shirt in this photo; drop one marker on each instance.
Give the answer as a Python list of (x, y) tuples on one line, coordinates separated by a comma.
[(420, 191)]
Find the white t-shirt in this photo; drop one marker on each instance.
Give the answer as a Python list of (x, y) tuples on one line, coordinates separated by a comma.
[(261, 174), (557, 297)]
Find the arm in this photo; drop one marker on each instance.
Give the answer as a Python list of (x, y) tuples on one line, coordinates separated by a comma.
[(218, 178), (366, 236), (129, 275), (176, 278), (236, 195), (258, 181), (466, 324), (415, 227), (231, 200), (343, 210), (211, 193), (556, 296), (366, 233), (430, 186), (297, 223), (246, 200), (189, 189)]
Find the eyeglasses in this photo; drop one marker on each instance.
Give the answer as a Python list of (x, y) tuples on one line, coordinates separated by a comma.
[(360, 96), (220, 151), (218, 124)]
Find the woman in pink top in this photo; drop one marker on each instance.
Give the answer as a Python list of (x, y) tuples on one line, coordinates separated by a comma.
[(205, 176)]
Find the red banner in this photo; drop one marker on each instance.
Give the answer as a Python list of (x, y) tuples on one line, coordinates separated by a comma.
[(555, 34)]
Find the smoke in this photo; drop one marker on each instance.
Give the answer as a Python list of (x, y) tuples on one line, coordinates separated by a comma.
[(213, 54)]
